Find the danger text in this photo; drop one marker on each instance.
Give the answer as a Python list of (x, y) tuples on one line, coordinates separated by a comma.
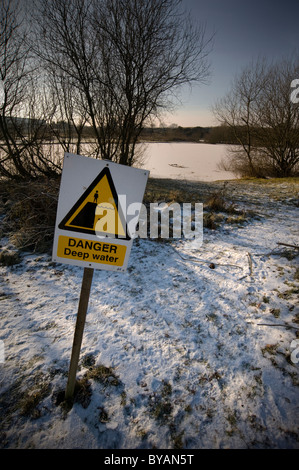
[(91, 251)]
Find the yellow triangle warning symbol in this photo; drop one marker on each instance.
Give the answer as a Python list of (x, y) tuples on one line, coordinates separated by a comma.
[(97, 211)]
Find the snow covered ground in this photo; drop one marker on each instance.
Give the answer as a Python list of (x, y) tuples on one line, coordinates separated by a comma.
[(177, 353)]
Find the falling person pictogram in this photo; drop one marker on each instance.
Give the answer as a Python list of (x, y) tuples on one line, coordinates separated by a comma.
[(95, 197)]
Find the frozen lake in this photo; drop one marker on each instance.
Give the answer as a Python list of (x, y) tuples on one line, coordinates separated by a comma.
[(190, 161)]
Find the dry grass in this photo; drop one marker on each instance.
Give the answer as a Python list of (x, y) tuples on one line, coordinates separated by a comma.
[(29, 213), (168, 190), (28, 209)]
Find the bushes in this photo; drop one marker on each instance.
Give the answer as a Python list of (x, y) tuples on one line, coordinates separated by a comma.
[(29, 213)]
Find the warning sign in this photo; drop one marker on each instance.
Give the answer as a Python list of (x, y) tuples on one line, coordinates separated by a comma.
[(91, 223), (97, 210)]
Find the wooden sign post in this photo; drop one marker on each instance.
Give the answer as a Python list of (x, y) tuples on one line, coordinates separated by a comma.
[(91, 228), (80, 323)]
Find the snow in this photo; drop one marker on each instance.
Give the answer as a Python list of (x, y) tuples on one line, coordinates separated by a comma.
[(200, 356)]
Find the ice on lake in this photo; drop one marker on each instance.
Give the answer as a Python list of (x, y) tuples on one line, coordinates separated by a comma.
[(191, 161)]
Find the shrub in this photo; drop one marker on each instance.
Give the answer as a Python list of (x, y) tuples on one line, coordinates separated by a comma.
[(29, 213)]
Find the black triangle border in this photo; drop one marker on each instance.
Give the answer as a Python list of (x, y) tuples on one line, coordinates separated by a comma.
[(104, 172)]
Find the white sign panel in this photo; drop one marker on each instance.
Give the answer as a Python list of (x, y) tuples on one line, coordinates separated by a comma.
[(92, 227)]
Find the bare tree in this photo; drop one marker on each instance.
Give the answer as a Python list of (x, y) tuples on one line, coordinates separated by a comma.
[(237, 111), (149, 49), (67, 51), (126, 58), (22, 123), (278, 131), (264, 121), (66, 115)]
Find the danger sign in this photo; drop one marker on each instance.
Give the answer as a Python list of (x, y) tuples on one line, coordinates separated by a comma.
[(91, 226), (87, 214)]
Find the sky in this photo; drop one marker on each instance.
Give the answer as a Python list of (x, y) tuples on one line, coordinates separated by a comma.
[(244, 31)]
